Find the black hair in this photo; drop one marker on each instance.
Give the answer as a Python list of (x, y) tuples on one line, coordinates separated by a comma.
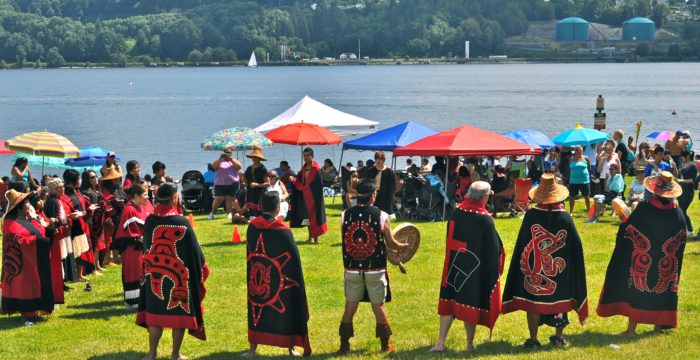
[(136, 189), (165, 193), (366, 187), (157, 166), (85, 180), (15, 212), (658, 150), (687, 153), (18, 185), (328, 161), (71, 176), (309, 151), (209, 167), (284, 163), (147, 177), (463, 171), (34, 199), (131, 164), (21, 161), (5, 178), (269, 201)]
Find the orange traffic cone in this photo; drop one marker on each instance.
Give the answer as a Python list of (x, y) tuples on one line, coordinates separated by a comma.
[(235, 237), (191, 220)]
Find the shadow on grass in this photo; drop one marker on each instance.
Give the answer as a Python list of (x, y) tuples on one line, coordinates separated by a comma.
[(99, 305), (103, 310), (226, 355), (16, 321), (223, 244), (119, 355)]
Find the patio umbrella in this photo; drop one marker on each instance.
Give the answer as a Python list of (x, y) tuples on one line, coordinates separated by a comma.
[(580, 136), (50, 162), (90, 157), (531, 137), (303, 134), (44, 144), (4, 150), (661, 135), (235, 138)]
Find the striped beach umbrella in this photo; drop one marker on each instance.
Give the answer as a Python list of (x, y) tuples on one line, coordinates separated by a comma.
[(43, 143), (4, 150)]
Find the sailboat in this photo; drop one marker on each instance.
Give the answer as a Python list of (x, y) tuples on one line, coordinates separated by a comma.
[(252, 62)]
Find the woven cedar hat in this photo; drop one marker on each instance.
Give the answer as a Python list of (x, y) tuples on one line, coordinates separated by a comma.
[(257, 153), (664, 185), (110, 174), (549, 192), (14, 198)]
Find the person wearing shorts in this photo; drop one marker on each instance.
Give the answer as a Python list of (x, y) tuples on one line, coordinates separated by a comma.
[(366, 232), (226, 183), (579, 178)]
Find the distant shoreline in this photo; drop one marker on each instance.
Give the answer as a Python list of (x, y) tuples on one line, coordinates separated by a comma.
[(372, 62)]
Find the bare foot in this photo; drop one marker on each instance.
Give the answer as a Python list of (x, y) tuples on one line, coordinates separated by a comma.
[(84, 278), (179, 357), (97, 273), (100, 268), (437, 348), (248, 354), (293, 352)]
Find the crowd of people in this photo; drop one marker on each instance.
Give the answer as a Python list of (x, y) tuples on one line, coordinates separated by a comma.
[(57, 231)]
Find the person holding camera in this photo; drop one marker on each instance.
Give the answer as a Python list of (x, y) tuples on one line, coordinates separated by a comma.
[(226, 183)]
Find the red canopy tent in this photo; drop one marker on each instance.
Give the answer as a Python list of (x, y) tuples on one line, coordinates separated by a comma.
[(465, 141)]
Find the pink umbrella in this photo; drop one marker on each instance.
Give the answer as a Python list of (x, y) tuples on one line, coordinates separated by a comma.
[(4, 150), (661, 135)]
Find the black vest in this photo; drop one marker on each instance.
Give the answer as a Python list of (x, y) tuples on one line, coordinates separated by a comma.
[(364, 247)]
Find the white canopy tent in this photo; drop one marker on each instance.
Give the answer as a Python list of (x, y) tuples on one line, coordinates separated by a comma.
[(310, 111)]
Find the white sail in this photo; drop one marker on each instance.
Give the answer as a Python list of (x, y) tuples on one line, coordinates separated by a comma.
[(252, 62)]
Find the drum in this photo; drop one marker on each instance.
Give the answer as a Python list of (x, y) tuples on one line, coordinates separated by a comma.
[(621, 209), (408, 234)]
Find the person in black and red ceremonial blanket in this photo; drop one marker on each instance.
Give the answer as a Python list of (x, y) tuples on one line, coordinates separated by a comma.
[(384, 179), (26, 269), (307, 199), (174, 271), (112, 204), (256, 181), (61, 248), (129, 241), (77, 208), (645, 268), (547, 276), (277, 309), (471, 288), (366, 232), (133, 173)]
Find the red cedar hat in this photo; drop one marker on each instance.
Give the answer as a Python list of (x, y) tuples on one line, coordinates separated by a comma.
[(664, 185)]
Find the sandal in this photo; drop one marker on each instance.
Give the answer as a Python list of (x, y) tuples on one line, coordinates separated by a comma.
[(531, 344), (557, 340)]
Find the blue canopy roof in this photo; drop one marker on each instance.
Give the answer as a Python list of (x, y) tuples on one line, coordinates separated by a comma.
[(531, 137), (390, 138)]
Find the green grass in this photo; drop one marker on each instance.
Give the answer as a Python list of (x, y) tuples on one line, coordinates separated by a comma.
[(96, 326)]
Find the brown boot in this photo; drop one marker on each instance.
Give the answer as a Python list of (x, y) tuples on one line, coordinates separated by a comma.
[(345, 331), (384, 333)]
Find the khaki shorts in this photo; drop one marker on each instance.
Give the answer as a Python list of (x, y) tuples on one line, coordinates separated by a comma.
[(375, 283)]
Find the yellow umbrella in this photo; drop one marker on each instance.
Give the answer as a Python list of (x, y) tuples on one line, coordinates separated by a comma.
[(43, 143)]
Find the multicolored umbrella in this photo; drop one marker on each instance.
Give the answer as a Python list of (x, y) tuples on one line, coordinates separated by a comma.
[(90, 157), (303, 134), (661, 135), (43, 143), (4, 150), (580, 136), (236, 138)]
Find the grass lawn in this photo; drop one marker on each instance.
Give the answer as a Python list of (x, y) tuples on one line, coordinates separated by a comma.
[(95, 325)]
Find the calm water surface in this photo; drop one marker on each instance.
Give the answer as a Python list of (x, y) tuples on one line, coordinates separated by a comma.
[(167, 113)]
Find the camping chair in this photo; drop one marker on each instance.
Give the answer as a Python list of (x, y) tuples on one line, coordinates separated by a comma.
[(522, 198)]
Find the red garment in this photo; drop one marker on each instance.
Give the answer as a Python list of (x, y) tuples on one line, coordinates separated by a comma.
[(311, 189)]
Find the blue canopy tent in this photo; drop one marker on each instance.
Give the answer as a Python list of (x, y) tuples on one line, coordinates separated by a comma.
[(389, 139), (531, 137)]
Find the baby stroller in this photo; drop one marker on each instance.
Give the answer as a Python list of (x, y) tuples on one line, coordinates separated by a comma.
[(196, 195)]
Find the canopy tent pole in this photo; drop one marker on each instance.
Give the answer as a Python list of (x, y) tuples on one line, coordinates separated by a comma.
[(43, 158), (341, 174), (444, 200)]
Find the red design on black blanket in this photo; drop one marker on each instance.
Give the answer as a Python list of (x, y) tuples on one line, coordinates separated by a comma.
[(537, 262), (360, 241), (267, 281), (642, 261), (12, 258), (162, 261)]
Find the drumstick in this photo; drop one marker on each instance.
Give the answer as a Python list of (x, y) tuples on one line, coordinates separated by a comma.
[(401, 266)]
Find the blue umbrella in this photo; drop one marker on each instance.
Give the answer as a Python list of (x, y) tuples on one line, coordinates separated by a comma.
[(90, 157), (580, 136), (531, 137)]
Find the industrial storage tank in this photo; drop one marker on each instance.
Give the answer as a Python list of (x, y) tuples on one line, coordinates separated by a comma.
[(638, 29), (572, 29)]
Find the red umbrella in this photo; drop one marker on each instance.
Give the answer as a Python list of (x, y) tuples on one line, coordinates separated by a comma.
[(466, 141), (4, 150), (303, 134)]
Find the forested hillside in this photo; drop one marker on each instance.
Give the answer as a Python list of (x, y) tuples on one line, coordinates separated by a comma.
[(120, 31)]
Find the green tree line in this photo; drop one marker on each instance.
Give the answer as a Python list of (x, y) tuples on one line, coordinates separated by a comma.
[(119, 31)]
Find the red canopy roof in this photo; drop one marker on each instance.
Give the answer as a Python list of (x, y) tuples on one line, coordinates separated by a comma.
[(466, 141)]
